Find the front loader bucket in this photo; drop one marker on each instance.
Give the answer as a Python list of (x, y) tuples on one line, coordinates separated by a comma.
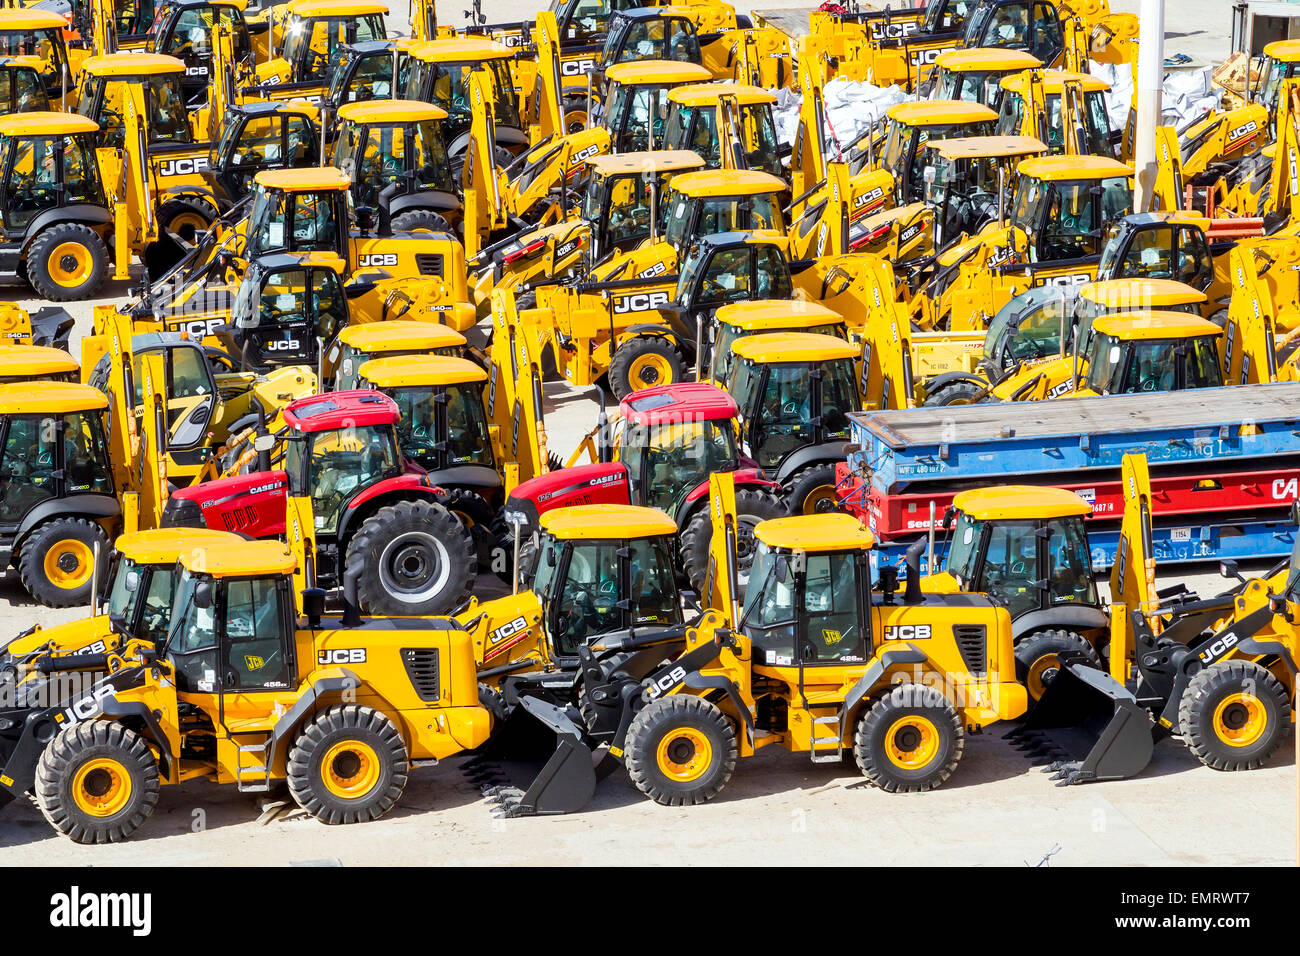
[(1087, 727), (564, 784)]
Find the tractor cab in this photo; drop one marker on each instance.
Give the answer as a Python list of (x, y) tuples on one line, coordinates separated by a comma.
[(299, 210), (162, 79), (315, 32), (1152, 351), (714, 201), (1281, 59), (794, 391), (635, 107), (617, 204), (374, 70), (443, 426), (184, 29), (965, 179), (649, 33), (976, 75), (287, 306), (1158, 245), (602, 569), (260, 136), (36, 363), (36, 37), (21, 87), (396, 148), (1067, 111), (439, 72), (1064, 204), (357, 344), (1030, 25), (728, 125), (731, 323), (908, 128), (724, 268)]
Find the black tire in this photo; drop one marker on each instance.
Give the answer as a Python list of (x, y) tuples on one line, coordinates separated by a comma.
[(954, 393), (679, 731), (97, 782), (909, 740), (420, 220), (1234, 715), (56, 558), (416, 558), (367, 765), (812, 490), (752, 506), (184, 218), (67, 262), (644, 361), (574, 109), (1038, 657), (476, 515)]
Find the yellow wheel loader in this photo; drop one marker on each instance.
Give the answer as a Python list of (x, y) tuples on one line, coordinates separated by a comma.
[(731, 323), (976, 74)]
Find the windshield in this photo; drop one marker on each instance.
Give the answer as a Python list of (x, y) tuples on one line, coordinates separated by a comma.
[(1075, 215), (294, 222), (728, 334), (1028, 334), (657, 38), (467, 432), (147, 589), (1156, 365), (341, 463), (376, 156), (636, 113), (313, 46), (192, 637), (768, 614), (680, 456), (975, 86), (372, 78), (708, 216)]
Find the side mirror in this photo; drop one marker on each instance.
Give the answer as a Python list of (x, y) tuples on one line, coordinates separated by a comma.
[(355, 290), (1228, 569), (203, 595), (264, 443), (365, 216)]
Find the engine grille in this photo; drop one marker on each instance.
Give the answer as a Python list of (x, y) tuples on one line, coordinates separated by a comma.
[(970, 640), (429, 263), (422, 668), (236, 519)]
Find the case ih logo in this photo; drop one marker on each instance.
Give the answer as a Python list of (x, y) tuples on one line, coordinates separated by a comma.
[(641, 302)]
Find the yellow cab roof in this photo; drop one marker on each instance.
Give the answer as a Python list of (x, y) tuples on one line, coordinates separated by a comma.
[(400, 334), (166, 545), (607, 521), (939, 112), (773, 347), (727, 182), (30, 20), (776, 314), (1055, 80), (396, 371), (702, 94), (1157, 292), (33, 360), (979, 147), (1153, 324), (52, 398), (659, 160), (391, 111), (239, 558), (45, 124), (1288, 51), (1053, 168), (460, 49), (986, 58), (1019, 501), (308, 179), (659, 72), (133, 64), (23, 62), (824, 532), (336, 8)]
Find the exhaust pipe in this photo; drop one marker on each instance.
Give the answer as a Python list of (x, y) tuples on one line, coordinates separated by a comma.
[(351, 607), (912, 594)]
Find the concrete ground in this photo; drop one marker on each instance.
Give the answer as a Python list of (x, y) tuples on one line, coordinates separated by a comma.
[(779, 807)]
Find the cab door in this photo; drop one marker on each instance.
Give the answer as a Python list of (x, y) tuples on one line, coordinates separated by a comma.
[(833, 601)]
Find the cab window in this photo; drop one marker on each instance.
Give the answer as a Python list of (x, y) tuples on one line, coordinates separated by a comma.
[(1068, 563), (343, 462), (85, 455), (255, 646), (653, 593), (768, 616), (467, 432), (831, 608), (589, 598), (26, 465), (1011, 566)]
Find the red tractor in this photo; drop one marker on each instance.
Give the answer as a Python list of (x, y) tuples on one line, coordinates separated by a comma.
[(666, 442), (345, 498)]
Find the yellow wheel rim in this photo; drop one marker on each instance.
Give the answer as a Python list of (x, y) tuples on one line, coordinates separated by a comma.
[(188, 220), (101, 787), (648, 371), (820, 500), (1041, 672), (684, 754), (912, 742), (1240, 720), (70, 264), (68, 563), (350, 769)]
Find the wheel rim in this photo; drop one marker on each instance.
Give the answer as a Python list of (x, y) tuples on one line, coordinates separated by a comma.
[(68, 564), (101, 787), (186, 224), (649, 370), (70, 264), (1041, 673), (912, 742), (684, 754), (414, 567), (744, 548), (350, 769), (1240, 720), (820, 500)]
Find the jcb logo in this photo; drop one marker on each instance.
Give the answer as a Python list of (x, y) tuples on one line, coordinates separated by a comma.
[(507, 630), (183, 167), (90, 705), (893, 31), (1219, 648), (1060, 389), (1244, 130), (927, 57), (659, 268), (582, 154), (661, 685), (378, 259), (831, 637), (1078, 278), (200, 327), (196, 71), (577, 67), (641, 302), (907, 632), (867, 198), (253, 662), (342, 655), (282, 345)]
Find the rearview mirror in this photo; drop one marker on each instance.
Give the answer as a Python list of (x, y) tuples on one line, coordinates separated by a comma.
[(203, 595), (264, 443)]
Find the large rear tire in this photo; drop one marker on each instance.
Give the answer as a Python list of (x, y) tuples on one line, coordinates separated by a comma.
[(416, 559), (812, 490), (909, 740), (680, 750), (752, 506), (56, 564), (420, 220), (1038, 657), (67, 262), (185, 218), (955, 393), (97, 782), (348, 765), (1234, 715)]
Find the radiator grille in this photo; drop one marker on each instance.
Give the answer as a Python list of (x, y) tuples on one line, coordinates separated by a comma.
[(422, 667), (236, 519), (970, 642), (429, 263)]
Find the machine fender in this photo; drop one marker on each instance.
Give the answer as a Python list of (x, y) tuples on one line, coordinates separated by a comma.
[(113, 707), (933, 384), (467, 476), (1263, 648), (871, 676), (1078, 618), (833, 451), (84, 506), (380, 494), (650, 328), (197, 192), (432, 199), (77, 212), (698, 681), (338, 682)]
